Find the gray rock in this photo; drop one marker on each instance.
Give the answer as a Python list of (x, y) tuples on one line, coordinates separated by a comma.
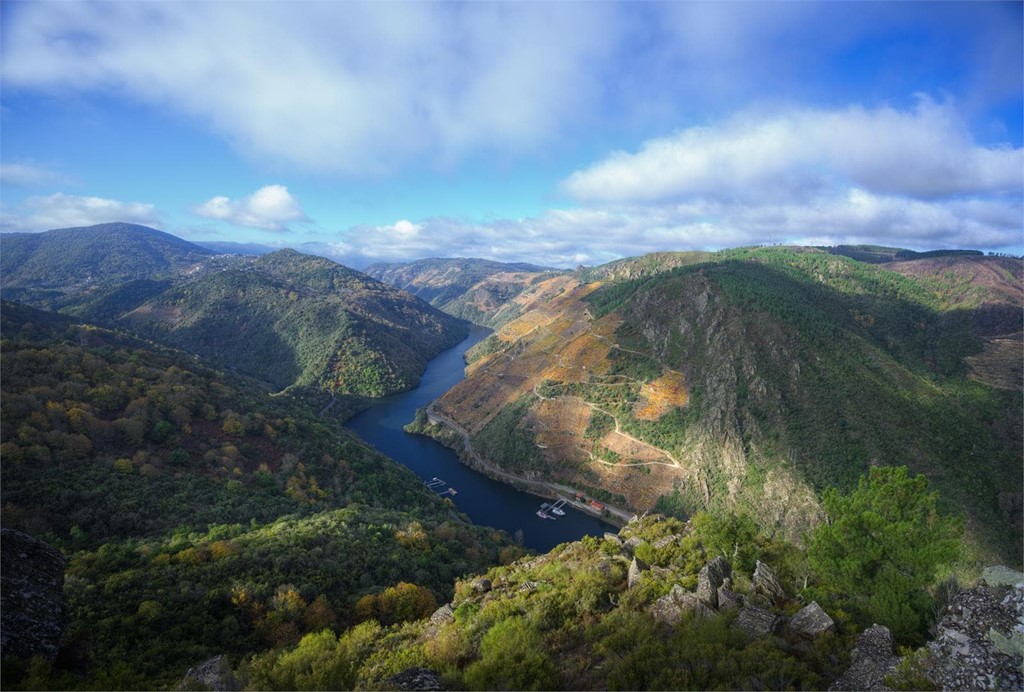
[(482, 585), (872, 661), (767, 585), (32, 614), (213, 674), (636, 567), (978, 642), (633, 541), (415, 679), (811, 621), (445, 613), (664, 541), (1001, 575), (613, 537), (756, 622), (727, 598), (711, 578), (670, 608)]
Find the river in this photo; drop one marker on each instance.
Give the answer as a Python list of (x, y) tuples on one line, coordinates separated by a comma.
[(486, 501)]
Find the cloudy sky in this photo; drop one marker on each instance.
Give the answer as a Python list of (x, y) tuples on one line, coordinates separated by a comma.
[(558, 133)]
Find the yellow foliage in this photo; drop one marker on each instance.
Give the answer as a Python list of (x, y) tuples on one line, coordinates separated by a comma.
[(662, 395)]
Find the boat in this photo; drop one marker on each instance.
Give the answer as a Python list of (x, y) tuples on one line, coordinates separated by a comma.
[(557, 508), (544, 515)]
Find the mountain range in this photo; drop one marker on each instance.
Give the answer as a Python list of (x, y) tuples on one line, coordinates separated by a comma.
[(164, 425)]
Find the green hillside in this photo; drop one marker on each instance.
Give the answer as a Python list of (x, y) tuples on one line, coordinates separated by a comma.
[(201, 515), (62, 266), (293, 319), (753, 380)]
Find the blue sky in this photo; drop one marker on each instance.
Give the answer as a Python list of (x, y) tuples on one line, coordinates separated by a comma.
[(558, 133)]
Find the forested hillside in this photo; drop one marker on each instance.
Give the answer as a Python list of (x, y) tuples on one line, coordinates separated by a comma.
[(200, 515), (66, 266), (752, 380), (293, 319)]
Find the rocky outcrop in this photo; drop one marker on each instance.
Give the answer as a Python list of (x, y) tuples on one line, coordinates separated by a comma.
[(670, 608), (415, 679), (811, 621), (873, 659), (767, 586), (445, 613), (757, 622), (32, 616), (214, 674), (978, 642), (711, 578), (636, 567)]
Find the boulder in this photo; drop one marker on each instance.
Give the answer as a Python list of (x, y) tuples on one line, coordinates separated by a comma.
[(613, 537), (767, 585), (1001, 575), (711, 578), (872, 660), (671, 539), (636, 567), (727, 598), (482, 585), (979, 640), (670, 608), (415, 679), (445, 613), (32, 615), (756, 622), (633, 541), (213, 674), (811, 621)]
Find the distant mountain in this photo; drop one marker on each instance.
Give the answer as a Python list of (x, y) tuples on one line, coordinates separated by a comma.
[(879, 254), (752, 380), (55, 268), (231, 248), (473, 289), (294, 319)]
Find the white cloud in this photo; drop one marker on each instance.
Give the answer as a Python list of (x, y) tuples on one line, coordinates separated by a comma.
[(354, 87), (568, 237), (925, 152), (270, 208), (28, 175), (43, 213)]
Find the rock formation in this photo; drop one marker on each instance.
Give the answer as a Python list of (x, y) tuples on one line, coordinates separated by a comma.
[(31, 596), (873, 659)]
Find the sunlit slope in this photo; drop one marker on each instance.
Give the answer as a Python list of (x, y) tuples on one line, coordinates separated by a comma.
[(755, 379)]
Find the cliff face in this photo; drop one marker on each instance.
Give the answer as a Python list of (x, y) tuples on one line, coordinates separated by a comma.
[(31, 596)]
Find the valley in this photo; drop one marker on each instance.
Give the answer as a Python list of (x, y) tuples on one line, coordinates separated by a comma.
[(174, 427)]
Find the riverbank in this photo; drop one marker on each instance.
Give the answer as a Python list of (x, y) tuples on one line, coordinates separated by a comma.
[(446, 431)]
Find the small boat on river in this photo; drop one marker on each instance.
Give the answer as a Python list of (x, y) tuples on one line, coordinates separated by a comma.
[(557, 508)]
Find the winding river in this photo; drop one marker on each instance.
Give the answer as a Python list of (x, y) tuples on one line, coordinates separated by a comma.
[(486, 501)]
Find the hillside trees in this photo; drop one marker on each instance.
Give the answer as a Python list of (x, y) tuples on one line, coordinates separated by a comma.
[(882, 547)]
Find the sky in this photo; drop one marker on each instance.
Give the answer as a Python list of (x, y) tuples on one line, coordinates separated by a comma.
[(560, 133)]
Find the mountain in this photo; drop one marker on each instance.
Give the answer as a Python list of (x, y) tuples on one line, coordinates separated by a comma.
[(198, 514), (63, 266), (752, 380), (293, 319), (232, 248), (477, 290)]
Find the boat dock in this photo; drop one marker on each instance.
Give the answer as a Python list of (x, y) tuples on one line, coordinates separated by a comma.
[(440, 486)]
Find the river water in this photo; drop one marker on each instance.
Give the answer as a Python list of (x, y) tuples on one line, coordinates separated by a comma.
[(486, 501)]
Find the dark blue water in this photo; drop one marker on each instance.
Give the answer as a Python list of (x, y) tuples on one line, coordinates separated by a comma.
[(486, 501)]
